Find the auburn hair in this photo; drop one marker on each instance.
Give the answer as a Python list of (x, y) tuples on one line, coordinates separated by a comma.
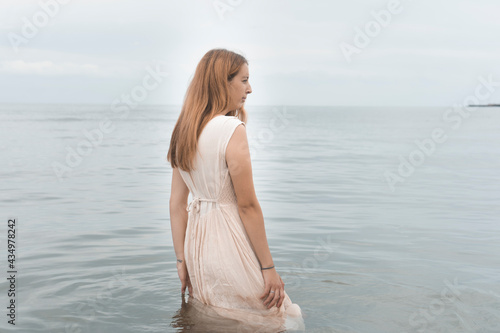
[(206, 96)]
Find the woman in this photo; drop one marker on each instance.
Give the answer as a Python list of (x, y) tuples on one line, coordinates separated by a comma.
[(223, 257)]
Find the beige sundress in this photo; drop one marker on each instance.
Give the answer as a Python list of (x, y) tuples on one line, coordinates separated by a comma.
[(222, 265)]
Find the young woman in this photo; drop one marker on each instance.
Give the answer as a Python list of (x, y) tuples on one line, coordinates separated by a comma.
[(223, 257)]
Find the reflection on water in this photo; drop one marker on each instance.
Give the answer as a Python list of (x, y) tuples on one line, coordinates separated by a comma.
[(194, 316)]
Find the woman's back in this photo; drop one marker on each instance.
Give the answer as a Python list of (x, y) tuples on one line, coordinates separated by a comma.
[(210, 178)]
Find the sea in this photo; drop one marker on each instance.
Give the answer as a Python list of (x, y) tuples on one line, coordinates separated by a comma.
[(379, 219)]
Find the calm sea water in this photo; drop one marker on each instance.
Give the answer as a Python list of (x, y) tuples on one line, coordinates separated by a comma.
[(370, 231)]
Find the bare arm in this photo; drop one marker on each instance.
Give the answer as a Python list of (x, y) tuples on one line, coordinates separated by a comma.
[(240, 169), (178, 214)]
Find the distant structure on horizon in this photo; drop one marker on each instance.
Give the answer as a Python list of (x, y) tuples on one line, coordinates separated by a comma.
[(485, 105)]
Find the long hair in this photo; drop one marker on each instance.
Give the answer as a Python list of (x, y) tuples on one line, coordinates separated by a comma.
[(206, 96)]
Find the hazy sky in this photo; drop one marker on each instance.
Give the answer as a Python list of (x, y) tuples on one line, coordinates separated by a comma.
[(95, 51)]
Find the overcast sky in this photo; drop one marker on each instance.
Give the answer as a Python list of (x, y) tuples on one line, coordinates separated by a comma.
[(300, 52)]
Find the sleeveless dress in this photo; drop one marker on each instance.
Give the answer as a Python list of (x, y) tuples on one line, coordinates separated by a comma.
[(222, 265)]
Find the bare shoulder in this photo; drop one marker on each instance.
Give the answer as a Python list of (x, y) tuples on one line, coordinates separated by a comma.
[(240, 167), (239, 136), (237, 151)]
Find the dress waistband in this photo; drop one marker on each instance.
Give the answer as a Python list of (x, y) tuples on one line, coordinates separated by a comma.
[(194, 205)]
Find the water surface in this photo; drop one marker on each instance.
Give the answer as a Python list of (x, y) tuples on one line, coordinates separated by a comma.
[(94, 249)]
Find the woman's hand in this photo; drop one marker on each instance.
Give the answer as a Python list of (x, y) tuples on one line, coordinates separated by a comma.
[(184, 277), (272, 282)]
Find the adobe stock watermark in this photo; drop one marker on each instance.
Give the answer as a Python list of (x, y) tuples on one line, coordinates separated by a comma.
[(419, 320), (223, 6), (39, 20), (371, 29), (322, 252), (88, 309), (120, 106), (454, 115)]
